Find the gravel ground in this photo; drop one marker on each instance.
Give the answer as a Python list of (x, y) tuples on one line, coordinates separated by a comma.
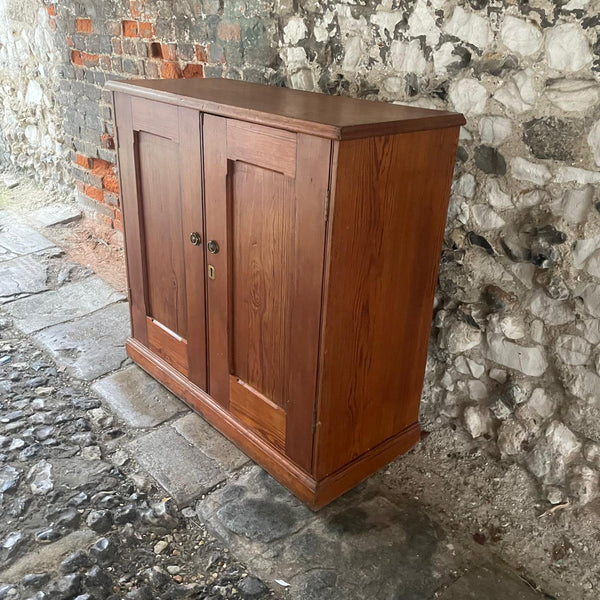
[(76, 520)]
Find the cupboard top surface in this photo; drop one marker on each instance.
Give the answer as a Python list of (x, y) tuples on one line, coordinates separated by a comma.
[(337, 117)]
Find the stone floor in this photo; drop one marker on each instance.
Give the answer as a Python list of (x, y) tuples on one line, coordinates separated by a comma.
[(124, 428)]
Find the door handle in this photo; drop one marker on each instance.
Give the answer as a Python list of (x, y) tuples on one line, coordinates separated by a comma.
[(195, 238), (213, 247)]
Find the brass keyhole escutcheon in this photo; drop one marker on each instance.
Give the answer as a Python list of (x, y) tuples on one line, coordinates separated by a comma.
[(211, 272), (195, 238), (213, 247)]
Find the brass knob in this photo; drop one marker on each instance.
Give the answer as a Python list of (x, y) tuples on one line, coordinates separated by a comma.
[(213, 247), (195, 238)]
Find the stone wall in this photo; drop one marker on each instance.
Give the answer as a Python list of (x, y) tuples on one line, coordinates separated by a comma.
[(31, 137), (515, 353)]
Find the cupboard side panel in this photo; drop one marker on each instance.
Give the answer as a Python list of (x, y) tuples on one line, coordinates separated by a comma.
[(132, 217), (389, 213)]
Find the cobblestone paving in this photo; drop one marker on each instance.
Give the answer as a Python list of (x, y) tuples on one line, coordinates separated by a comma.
[(111, 488), (76, 519)]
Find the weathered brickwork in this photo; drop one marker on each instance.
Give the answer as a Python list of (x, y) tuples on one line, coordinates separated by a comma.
[(515, 357)]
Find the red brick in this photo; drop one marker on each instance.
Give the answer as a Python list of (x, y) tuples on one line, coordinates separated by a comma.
[(170, 70), (94, 193), (146, 30), (83, 161), (105, 63), (111, 184), (102, 167), (168, 51), (192, 71), (200, 53), (118, 220), (83, 25), (107, 141), (90, 60), (76, 58), (228, 31), (52, 24), (130, 29), (51, 8), (70, 42)]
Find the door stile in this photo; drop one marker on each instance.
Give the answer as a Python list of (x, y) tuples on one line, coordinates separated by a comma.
[(310, 190), (133, 216), (192, 212), (216, 184)]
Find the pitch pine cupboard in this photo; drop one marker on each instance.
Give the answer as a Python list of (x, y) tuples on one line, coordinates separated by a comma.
[(282, 252)]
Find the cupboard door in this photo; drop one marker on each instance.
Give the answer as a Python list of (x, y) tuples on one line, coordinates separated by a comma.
[(161, 178), (266, 191)]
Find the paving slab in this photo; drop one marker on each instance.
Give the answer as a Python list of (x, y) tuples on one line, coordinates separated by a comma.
[(182, 469), (364, 545), (22, 276), (22, 239), (371, 543), (90, 346), (198, 432), (491, 583), (69, 302), (58, 213), (138, 398)]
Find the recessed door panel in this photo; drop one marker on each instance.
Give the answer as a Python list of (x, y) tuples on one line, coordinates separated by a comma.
[(158, 167), (265, 209), (262, 245)]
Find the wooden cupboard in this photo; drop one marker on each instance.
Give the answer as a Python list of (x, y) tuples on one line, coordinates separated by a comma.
[(282, 253)]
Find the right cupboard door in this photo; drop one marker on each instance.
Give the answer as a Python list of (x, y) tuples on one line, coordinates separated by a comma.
[(265, 202)]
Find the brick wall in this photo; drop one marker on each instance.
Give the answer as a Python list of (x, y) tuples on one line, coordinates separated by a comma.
[(109, 40)]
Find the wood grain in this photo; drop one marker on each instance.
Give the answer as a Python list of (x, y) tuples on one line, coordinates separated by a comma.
[(335, 117), (388, 217), (192, 211), (306, 285), (262, 146), (158, 162), (158, 118), (131, 207), (162, 190), (273, 229), (168, 345), (257, 412), (261, 231), (218, 296)]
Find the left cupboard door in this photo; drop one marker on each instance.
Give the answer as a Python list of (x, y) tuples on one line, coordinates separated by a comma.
[(161, 187)]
